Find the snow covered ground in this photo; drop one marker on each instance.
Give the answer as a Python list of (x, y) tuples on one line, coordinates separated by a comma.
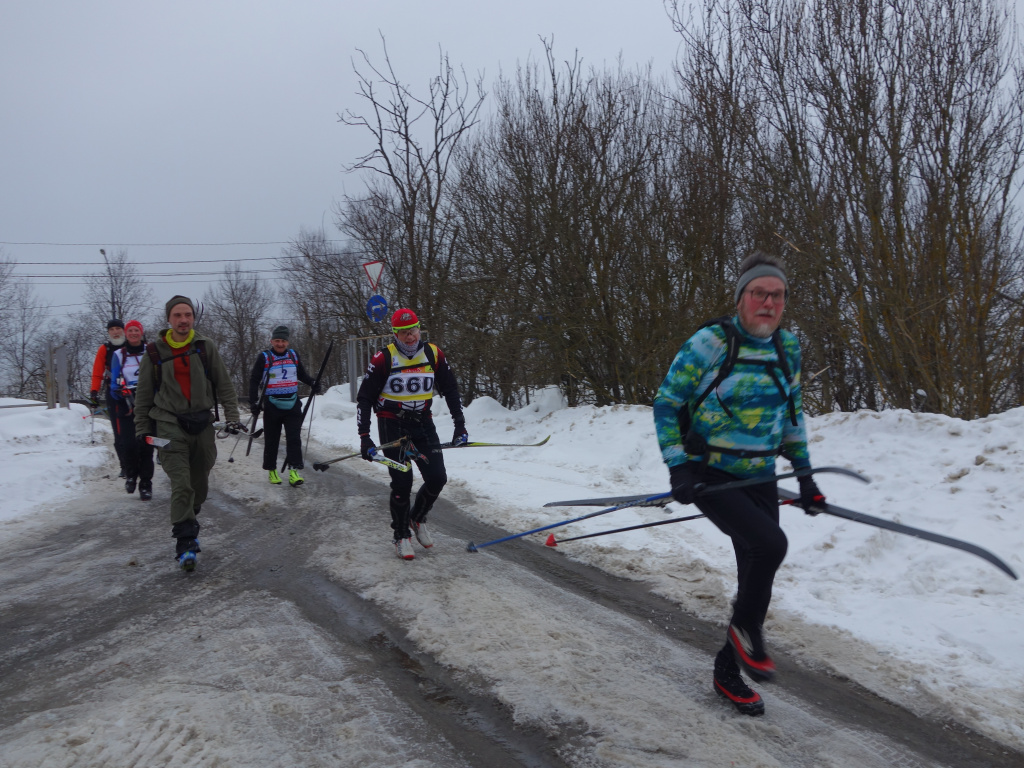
[(933, 628)]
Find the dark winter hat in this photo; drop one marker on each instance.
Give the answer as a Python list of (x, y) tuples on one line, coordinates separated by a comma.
[(134, 324), (281, 332), (175, 301), (759, 264), (115, 323), (404, 319)]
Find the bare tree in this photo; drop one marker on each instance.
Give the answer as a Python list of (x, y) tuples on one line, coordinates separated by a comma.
[(118, 288), (881, 144), (235, 314), (24, 353), (402, 218), (6, 288)]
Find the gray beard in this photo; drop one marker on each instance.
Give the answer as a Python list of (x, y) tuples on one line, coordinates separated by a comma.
[(117, 342)]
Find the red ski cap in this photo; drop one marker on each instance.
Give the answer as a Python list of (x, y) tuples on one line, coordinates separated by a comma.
[(404, 319)]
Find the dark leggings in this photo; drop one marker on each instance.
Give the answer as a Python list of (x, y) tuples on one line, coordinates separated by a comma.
[(273, 419), (424, 437), (750, 517), (136, 456)]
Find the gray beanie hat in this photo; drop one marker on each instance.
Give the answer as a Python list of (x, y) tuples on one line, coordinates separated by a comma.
[(281, 332), (175, 301), (756, 271)]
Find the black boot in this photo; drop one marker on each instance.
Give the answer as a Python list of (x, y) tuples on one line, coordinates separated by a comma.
[(399, 504), (129, 484), (730, 685), (145, 489)]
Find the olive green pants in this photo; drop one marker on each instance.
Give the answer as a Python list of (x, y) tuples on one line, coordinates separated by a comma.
[(187, 460)]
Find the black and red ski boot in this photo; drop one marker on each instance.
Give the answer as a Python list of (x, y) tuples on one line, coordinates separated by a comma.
[(730, 685), (748, 647)]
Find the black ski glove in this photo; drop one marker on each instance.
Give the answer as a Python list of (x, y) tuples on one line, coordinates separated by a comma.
[(684, 478), (94, 397), (315, 389), (811, 497), (254, 407), (367, 448), (234, 427), (461, 436)]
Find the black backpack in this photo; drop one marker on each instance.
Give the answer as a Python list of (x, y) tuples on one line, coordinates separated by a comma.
[(696, 445)]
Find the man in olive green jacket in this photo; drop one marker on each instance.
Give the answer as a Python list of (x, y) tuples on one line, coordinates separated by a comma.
[(173, 401)]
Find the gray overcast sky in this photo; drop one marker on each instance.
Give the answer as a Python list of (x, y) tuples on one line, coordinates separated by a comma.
[(216, 121)]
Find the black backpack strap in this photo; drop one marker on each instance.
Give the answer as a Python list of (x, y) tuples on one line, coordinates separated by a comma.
[(154, 357), (780, 350), (201, 351), (732, 352)]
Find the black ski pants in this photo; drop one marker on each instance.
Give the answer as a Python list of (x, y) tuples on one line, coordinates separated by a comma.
[(273, 419), (424, 436), (136, 456), (750, 517)]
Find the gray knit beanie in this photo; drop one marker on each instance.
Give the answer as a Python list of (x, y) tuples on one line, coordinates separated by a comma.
[(175, 301), (759, 264)]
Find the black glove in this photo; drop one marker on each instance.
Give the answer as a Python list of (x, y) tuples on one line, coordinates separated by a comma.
[(461, 436), (367, 448), (94, 398), (684, 478), (315, 389), (254, 407), (234, 427), (811, 497)]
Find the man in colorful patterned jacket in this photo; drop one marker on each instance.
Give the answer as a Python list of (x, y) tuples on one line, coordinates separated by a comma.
[(714, 430), (277, 373), (399, 386)]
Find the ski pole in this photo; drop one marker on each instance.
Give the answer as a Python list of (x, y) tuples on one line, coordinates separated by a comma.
[(553, 542), (231, 457), (322, 465), (661, 499), (471, 547), (316, 383), (495, 445), (309, 427), (889, 525)]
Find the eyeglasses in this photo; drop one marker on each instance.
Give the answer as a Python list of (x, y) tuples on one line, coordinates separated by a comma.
[(760, 295)]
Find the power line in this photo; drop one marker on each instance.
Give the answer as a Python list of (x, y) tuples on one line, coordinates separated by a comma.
[(165, 274), (155, 282), (169, 245), (145, 264)]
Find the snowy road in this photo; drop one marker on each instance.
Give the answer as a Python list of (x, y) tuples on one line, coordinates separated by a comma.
[(302, 640)]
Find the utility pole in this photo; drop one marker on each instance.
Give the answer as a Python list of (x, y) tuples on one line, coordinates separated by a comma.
[(110, 276)]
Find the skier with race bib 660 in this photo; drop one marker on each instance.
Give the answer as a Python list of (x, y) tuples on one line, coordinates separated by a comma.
[(399, 386), (728, 406)]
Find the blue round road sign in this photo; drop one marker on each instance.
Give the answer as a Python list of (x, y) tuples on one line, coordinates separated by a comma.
[(377, 308)]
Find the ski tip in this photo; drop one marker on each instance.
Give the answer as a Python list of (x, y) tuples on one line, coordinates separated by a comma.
[(471, 547), (551, 541)]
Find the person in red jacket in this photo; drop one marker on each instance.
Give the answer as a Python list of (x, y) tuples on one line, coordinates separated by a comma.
[(101, 369), (399, 387)]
